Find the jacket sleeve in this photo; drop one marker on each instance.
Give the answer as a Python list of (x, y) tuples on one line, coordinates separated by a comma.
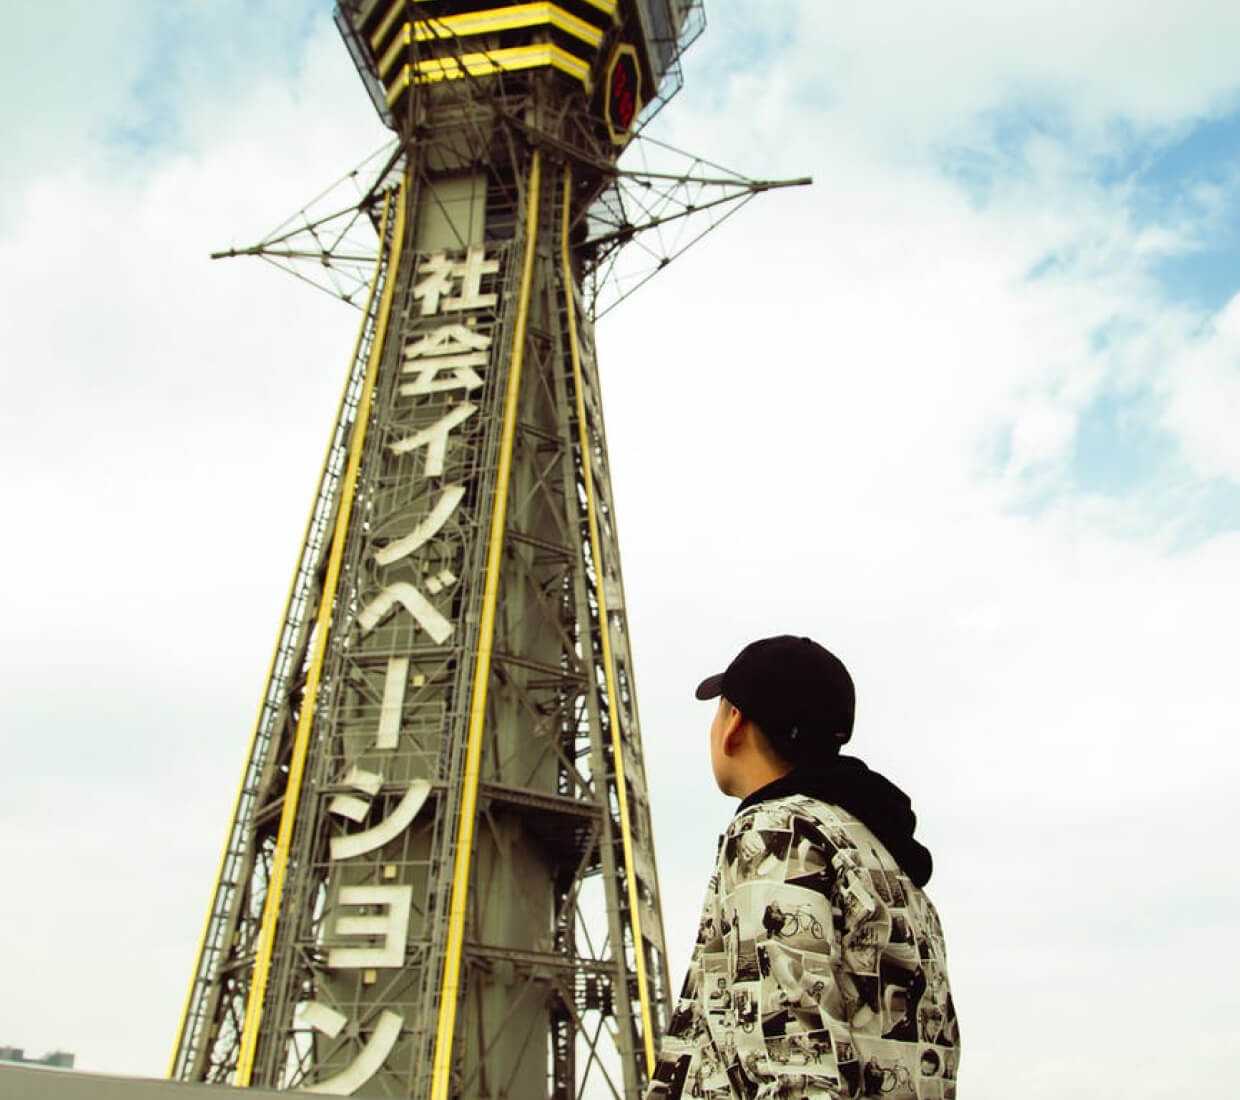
[(781, 948), (677, 1067)]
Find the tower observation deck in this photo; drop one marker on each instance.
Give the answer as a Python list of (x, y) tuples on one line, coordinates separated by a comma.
[(439, 878)]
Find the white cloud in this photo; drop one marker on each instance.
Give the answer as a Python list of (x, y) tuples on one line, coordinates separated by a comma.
[(1043, 687), (1203, 391), (53, 105), (150, 393), (929, 70)]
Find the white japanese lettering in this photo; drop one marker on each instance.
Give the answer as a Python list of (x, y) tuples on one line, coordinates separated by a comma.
[(435, 438), (391, 927), (423, 611)]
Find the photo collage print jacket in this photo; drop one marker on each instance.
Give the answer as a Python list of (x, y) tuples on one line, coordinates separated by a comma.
[(819, 970)]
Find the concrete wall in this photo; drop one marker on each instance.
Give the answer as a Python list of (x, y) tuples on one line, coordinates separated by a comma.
[(30, 1083)]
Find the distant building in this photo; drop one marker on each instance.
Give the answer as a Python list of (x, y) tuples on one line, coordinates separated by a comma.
[(59, 1059)]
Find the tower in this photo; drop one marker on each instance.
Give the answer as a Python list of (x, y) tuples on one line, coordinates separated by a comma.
[(439, 876)]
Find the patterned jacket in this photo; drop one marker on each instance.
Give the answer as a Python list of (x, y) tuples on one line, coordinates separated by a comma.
[(819, 970)]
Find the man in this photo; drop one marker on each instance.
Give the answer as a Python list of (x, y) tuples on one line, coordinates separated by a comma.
[(820, 962)]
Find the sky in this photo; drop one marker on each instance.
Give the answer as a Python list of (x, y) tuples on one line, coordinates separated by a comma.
[(963, 411)]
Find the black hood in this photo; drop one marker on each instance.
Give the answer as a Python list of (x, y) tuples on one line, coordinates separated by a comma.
[(846, 782)]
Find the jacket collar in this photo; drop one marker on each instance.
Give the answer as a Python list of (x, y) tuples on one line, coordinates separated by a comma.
[(788, 783), (846, 782)]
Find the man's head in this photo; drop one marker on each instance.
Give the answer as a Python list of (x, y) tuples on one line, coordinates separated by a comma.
[(783, 701), (741, 756)]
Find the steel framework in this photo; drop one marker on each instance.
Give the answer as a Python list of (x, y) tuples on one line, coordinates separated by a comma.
[(439, 875)]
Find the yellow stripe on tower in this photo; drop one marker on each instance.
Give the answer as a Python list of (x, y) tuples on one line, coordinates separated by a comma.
[(493, 61), (507, 19), (486, 21), (271, 667), (400, 42), (305, 720), (609, 665), (382, 29), (449, 989)]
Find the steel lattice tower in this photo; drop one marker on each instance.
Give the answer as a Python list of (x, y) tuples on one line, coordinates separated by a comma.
[(439, 877)]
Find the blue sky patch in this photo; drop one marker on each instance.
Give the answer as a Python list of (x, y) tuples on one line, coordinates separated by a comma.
[(187, 46), (1120, 452), (1119, 447), (1198, 174), (1188, 180)]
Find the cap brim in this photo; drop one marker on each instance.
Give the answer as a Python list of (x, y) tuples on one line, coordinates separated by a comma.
[(710, 688)]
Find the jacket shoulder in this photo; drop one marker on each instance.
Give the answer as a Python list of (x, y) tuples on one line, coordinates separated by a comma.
[(778, 813)]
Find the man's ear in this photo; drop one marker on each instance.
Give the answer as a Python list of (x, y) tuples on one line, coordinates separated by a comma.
[(733, 729)]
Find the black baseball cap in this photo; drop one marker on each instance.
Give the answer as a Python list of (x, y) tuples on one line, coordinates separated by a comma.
[(796, 690)]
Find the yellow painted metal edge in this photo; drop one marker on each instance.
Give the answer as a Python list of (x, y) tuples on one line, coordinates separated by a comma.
[(607, 7), (510, 18), (392, 15), (488, 22), (400, 42), (398, 86), (449, 990), (609, 667), (483, 64), (275, 653), (305, 720), (509, 59)]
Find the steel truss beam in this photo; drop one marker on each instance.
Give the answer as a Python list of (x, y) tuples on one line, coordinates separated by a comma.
[(444, 801), (330, 244)]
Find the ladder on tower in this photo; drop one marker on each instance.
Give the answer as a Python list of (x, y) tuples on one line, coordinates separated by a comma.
[(239, 860)]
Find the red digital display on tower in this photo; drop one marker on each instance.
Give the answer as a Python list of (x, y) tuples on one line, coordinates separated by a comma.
[(624, 91), (623, 96)]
